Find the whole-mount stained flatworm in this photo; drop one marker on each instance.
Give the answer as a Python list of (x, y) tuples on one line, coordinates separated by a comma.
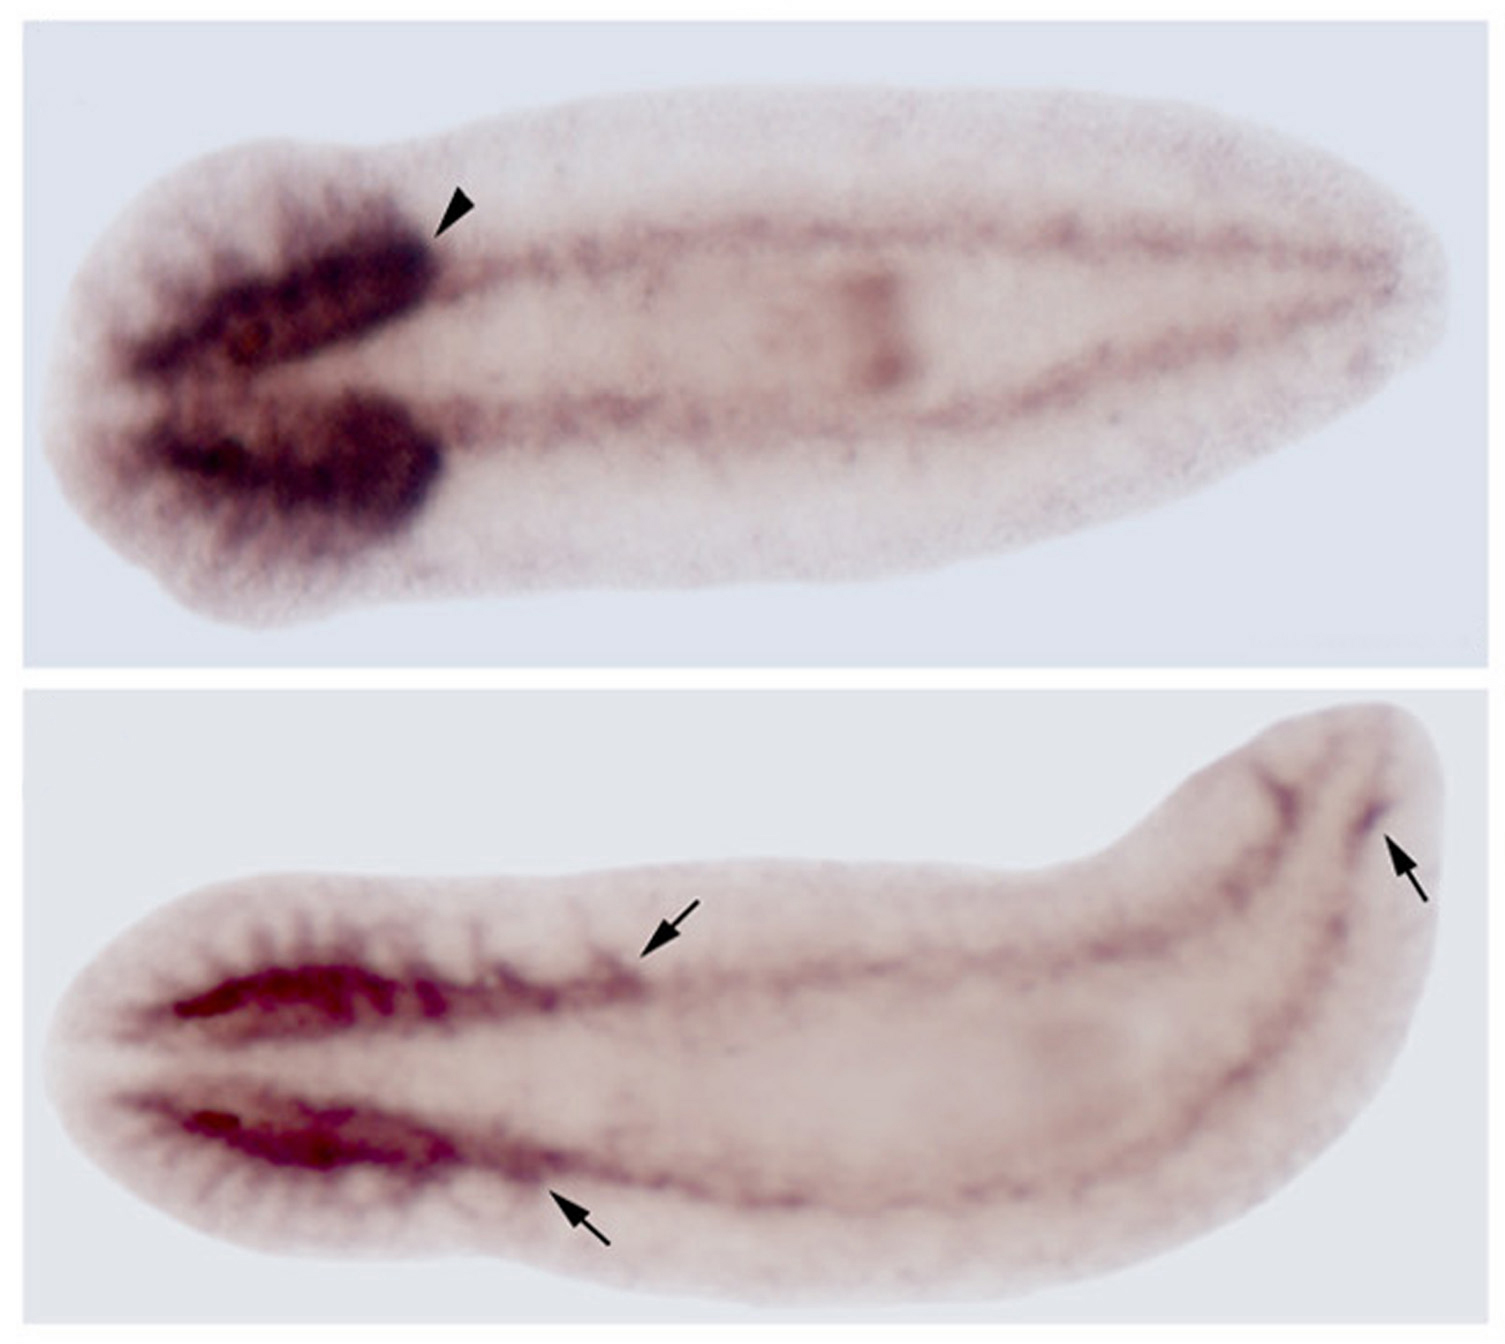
[(839, 1081), (705, 337)]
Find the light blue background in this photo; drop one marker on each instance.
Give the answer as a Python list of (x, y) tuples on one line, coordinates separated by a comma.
[(135, 798), (1362, 544)]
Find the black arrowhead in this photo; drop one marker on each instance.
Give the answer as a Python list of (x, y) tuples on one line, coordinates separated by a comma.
[(665, 933), (579, 1217), (1404, 866), (459, 206), (668, 929)]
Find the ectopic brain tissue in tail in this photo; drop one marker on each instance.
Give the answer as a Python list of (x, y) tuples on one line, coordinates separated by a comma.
[(827, 1081)]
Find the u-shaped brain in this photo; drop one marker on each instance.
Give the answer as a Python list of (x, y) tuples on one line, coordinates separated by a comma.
[(707, 337), (844, 1081)]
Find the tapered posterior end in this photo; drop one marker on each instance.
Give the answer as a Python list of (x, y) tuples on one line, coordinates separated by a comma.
[(1381, 786), (1411, 294), (1379, 768), (1408, 781)]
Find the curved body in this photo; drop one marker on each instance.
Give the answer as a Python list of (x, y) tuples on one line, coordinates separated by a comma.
[(843, 1081)]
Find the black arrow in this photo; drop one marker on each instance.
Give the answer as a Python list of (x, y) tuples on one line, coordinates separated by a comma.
[(1404, 865), (578, 1217), (667, 931), (459, 206)]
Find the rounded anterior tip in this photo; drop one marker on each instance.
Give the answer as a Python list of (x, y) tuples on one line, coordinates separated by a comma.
[(803, 335), (834, 1081)]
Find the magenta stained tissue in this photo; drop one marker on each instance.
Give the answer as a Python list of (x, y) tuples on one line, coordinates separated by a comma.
[(848, 1082)]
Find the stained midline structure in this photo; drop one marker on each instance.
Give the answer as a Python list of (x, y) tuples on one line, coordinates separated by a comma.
[(703, 337), (842, 1082)]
